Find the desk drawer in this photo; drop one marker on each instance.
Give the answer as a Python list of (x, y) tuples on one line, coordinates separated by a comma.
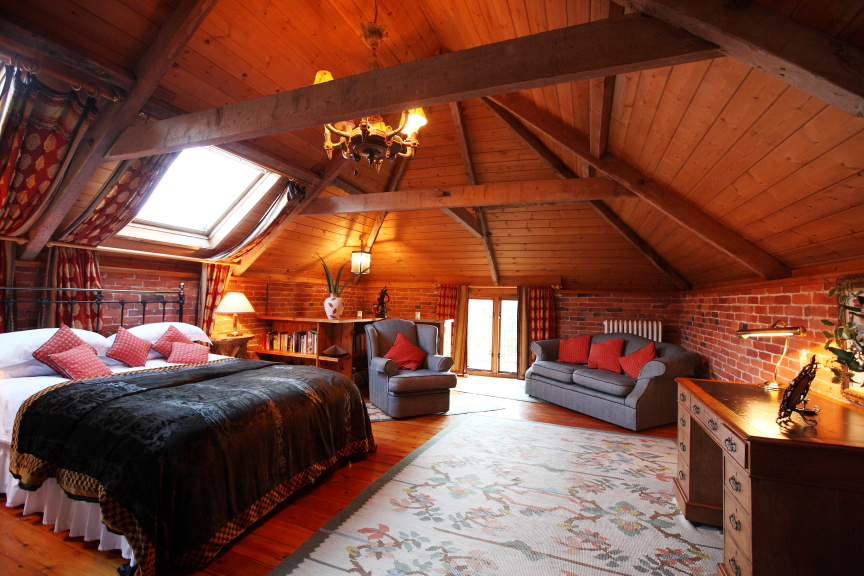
[(684, 446), (683, 420), (734, 562), (736, 481), (683, 475), (732, 445), (737, 523), (683, 396)]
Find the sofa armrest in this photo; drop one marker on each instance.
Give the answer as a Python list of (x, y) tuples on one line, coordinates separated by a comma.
[(439, 363), (384, 365), (546, 349), (672, 366)]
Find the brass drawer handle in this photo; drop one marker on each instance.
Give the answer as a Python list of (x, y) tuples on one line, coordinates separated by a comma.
[(683, 397), (696, 409), (683, 447), (736, 569), (683, 422), (681, 475), (736, 524), (735, 484), (730, 445), (712, 425)]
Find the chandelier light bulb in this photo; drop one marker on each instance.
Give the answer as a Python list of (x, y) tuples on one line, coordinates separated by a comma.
[(323, 76), (416, 120)]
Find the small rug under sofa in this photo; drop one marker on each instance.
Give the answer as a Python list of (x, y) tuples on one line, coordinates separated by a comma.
[(459, 404), (490, 496)]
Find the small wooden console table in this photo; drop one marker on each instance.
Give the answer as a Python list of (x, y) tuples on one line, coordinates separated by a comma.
[(790, 499)]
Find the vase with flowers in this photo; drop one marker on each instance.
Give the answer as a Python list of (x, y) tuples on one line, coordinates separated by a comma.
[(846, 341), (333, 305)]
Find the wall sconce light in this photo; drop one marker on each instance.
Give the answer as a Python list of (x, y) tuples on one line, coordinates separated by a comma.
[(777, 329), (234, 303)]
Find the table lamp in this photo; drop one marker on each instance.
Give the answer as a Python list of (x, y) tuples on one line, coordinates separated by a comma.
[(777, 329), (234, 303)]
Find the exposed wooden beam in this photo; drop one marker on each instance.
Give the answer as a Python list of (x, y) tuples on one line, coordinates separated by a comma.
[(172, 37), (396, 177), (348, 187), (590, 50), (487, 247), (600, 90), (659, 196), (331, 172), (462, 138), (820, 65), (529, 139), (495, 194), (376, 228), (464, 217)]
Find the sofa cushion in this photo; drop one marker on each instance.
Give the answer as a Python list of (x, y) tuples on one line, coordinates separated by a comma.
[(560, 371), (633, 363), (574, 350), (571, 391), (604, 381), (605, 355), (416, 380)]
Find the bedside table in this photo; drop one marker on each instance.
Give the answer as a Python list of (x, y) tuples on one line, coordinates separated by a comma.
[(229, 346)]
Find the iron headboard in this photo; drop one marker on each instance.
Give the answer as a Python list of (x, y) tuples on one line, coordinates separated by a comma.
[(147, 297)]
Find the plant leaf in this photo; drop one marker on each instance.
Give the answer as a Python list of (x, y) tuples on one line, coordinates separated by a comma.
[(326, 273), (827, 322)]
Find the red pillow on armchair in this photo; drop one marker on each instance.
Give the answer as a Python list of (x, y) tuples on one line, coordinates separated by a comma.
[(405, 353), (605, 355)]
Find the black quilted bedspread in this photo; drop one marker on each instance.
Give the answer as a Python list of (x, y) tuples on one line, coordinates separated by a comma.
[(183, 459)]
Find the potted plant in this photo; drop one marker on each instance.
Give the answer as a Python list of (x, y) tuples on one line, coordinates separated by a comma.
[(846, 342), (333, 306)]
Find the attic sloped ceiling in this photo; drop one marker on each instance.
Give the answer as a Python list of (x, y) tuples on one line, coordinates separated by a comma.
[(773, 164)]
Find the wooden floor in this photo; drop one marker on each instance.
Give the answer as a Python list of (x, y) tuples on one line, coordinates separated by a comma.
[(29, 547)]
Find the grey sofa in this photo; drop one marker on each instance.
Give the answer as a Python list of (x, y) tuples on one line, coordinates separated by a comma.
[(404, 393), (636, 404)]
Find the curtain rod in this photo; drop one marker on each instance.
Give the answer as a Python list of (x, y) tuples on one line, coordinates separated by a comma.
[(16, 239), (34, 67), (53, 243)]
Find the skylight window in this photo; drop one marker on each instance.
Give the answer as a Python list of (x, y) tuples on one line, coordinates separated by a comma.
[(204, 194)]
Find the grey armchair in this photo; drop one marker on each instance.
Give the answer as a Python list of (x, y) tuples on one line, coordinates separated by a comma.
[(404, 393)]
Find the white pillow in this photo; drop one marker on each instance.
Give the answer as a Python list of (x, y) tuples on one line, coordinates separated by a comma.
[(17, 347), (26, 369)]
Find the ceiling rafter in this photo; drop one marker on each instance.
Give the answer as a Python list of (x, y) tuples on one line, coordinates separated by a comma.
[(808, 59), (600, 90), (172, 38), (605, 212), (601, 48), (667, 201), (472, 224)]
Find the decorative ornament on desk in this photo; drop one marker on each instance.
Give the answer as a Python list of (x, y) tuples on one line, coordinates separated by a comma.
[(795, 397), (380, 308), (333, 305)]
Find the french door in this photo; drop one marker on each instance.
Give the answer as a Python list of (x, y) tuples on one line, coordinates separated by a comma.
[(492, 330)]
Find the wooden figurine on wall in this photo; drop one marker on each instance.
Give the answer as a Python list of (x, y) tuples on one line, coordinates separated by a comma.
[(380, 308)]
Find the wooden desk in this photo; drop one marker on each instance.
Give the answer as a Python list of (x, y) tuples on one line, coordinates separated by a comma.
[(790, 500)]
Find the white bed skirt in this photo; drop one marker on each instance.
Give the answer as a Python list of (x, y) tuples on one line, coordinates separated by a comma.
[(76, 517)]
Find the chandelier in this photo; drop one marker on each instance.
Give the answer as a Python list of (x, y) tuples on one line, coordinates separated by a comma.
[(370, 138)]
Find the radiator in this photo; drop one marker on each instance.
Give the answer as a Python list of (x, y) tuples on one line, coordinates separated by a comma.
[(651, 329)]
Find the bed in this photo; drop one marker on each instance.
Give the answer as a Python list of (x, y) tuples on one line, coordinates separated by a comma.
[(168, 462)]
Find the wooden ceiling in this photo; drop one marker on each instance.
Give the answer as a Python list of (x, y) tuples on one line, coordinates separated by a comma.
[(780, 168)]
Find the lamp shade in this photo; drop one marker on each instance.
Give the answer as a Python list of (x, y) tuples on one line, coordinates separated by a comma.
[(234, 303), (361, 261)]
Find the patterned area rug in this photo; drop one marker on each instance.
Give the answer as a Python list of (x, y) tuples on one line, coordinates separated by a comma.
[(459, 404), (497, 388), (492, 497)]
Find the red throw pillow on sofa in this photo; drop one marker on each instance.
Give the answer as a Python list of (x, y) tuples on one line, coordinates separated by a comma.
[(405, 353), (605, 355), (129, 349), (633, 363), (64, 339), (80, 362), (163, 345), (182, 353), (574, 350)]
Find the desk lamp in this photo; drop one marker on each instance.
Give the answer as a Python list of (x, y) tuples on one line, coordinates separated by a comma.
[(777, 329), (234, 303)]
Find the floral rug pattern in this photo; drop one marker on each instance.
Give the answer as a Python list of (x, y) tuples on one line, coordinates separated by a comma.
[(491, 496)]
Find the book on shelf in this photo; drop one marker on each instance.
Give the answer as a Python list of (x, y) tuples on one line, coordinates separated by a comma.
[(298, 342)]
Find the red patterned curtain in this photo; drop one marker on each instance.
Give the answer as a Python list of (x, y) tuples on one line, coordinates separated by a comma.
[(453, 303), (41, 131), (536, 312), (74, 268), (6, 260), (119, 201), (214, 280)]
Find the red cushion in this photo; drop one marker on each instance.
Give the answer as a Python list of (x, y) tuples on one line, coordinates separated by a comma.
[(64, 339), (129, 349), (80, 362), (405, 353), (163, 345), (605, 355), (182, 353), (633, 363), (574, 350)]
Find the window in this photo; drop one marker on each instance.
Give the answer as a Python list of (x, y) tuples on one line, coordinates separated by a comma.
[(201, 198), (492, 330)]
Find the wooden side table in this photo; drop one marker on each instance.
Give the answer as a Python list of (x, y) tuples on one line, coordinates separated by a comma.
[(229, 346)]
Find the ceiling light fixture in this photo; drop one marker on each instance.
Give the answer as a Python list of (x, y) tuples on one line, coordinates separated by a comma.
[(371, 139)]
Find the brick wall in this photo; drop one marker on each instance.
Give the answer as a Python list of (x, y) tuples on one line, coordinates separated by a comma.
[(583, 313), (142, 280)]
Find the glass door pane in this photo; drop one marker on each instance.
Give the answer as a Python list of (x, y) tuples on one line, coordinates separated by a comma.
[(507, 337), (480, 334)]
